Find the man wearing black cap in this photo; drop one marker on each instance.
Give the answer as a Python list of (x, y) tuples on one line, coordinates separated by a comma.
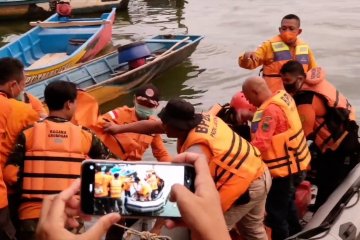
[(146, 100), (235, 165)]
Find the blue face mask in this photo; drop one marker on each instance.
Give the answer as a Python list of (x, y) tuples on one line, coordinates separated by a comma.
[(143, 112)]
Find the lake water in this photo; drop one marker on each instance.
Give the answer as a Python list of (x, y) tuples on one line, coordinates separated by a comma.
[(211, 74)]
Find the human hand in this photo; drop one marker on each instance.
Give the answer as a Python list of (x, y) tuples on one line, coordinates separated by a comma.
[(250, 56), (110, 127), (201, 211), (59, 211)]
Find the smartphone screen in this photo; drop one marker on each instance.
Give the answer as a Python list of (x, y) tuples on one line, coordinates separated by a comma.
[(134, 189)]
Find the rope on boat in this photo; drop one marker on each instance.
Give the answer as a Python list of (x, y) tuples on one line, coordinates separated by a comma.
[(144, 235)]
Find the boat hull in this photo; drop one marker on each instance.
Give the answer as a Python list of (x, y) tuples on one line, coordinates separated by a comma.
[(47, 51), (95, 78), (41, 8)]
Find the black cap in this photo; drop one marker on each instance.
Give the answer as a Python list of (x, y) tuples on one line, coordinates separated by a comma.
[(149, 92), (180, 114)]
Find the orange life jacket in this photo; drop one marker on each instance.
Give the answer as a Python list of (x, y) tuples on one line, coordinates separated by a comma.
[(232, 157), (54, 152), (329, 130), (14, 117), (153, 181), (289, 152), (116, 188), (131, 146), (101, 184), (282, 54)]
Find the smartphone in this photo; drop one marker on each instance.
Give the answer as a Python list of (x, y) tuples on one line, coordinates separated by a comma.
[(134, 189)]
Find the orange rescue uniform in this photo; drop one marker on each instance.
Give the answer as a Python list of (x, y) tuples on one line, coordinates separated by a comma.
[(273, 54), (234, 163), (116, 188), (102, 184), (48, 157), (314, 112), (283, 149), (134, 145), (14, 116), (54, 152)]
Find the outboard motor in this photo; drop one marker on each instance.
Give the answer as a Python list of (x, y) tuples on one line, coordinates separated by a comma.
[(134, 54), (63, 9)]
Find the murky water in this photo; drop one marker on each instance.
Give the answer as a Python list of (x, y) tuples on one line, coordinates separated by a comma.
[(211, 74)]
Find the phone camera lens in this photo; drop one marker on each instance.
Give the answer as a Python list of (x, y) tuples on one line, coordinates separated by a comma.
[(91, 167)]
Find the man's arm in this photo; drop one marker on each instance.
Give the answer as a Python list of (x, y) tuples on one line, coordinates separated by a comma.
[(15, 162), (159, 150), (252, 60), (266, 128), (142, 127), (307, 104)]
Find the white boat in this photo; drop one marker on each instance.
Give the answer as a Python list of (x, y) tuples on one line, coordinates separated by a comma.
[(338, 218)]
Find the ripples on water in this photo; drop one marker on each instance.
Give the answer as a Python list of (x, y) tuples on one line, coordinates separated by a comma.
[(231, 27)]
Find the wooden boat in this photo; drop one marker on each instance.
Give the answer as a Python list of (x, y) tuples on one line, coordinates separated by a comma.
[(106, 77), (87, 6), (17, 8), (57, 44), (31, 9)]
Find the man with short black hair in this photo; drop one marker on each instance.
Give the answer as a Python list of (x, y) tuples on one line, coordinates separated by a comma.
[(14, 116), (273, 53), (329, 121), (47, 156)]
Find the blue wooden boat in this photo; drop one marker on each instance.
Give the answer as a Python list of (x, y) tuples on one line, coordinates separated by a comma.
[(109, 76), (59, 43)]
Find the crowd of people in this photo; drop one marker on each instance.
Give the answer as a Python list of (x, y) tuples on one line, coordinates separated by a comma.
[(249, 155)]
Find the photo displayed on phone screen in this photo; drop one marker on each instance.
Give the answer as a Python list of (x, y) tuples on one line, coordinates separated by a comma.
[(136, 189)]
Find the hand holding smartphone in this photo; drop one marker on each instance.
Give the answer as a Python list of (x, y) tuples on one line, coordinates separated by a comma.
[(134, 189)]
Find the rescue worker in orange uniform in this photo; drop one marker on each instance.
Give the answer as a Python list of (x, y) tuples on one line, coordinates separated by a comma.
[(47, 156), (143, 190), (14, 116), (146, 101), (273, 53), (277, 132), (102, 191), (329, 121), (152, 179), (235, 165), (116, 189)]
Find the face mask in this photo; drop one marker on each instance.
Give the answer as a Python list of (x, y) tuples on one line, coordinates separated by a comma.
[(291, 88), (143, 112), (288, 37), (21, 96)]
